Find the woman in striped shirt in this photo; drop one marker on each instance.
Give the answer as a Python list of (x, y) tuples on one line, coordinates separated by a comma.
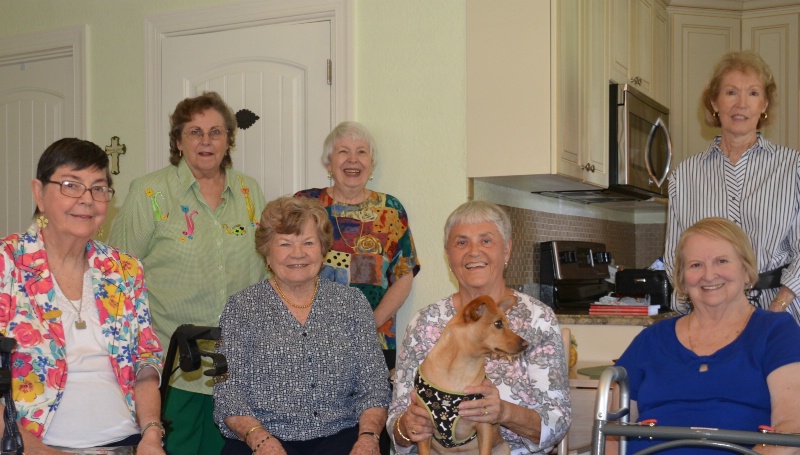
[(745, 178)]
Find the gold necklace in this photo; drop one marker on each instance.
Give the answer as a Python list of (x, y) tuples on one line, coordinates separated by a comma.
[(704, 366), (336, 219), (288, 302), (80, 324)]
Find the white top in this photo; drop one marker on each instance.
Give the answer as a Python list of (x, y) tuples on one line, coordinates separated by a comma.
[(92, 411)]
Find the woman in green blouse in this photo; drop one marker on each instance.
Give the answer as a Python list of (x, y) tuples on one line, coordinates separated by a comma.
[(192, 224)]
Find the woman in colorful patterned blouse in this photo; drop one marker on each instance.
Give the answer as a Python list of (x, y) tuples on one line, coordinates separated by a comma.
[(79, 313), (372, 245), (192, 224), (528, 395)]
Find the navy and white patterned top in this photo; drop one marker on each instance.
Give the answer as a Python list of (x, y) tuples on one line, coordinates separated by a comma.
[(301, 381), (760, 193)]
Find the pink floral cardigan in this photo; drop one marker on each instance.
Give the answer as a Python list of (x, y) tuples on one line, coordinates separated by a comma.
[(28, 314)]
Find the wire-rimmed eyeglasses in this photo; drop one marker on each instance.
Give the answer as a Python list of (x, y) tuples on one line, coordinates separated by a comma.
[(197, 135), (78, 189)]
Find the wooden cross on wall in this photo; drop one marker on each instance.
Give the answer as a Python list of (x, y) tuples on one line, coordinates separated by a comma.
[(114, 151)]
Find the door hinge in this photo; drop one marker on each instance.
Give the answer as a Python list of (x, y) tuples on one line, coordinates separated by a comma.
[(330, 72)]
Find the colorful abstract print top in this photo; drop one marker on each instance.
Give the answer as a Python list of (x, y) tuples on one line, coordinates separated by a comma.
[(372, 248)]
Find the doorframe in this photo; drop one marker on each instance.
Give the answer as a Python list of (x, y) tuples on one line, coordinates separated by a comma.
[(48, 45), (234, 16)]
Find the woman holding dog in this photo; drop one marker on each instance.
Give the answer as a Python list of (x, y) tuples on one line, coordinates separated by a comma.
[(305, 370), (528, 395)]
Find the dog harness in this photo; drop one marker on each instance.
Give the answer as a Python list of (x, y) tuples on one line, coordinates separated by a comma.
[(443, 408)]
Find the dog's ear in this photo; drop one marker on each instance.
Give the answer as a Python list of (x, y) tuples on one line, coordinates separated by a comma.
[(507, 303), (475, 309)]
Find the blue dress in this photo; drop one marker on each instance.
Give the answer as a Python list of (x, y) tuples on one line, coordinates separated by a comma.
[(666, 381)]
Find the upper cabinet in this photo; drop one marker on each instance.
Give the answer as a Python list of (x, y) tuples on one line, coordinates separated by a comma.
[(701, 36), (537, 92), (639, 46)]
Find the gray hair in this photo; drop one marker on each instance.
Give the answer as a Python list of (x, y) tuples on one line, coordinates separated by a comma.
[(474, 212), (348, 129)]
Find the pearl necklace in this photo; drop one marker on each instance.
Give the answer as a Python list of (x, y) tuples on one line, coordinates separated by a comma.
[(336, 220), (288, 302)]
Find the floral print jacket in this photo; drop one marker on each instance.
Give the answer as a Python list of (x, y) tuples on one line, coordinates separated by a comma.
[(536, 379), (28, 314)]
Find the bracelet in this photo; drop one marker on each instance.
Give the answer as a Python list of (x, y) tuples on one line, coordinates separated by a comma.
[(247, 433), (371, 433), (781, 302), (397, 425), (258, 446), (153, 424)]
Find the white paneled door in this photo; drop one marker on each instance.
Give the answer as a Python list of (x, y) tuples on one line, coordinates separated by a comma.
[(279, 72), (36, 108)]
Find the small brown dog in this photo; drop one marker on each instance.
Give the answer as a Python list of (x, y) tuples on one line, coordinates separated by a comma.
[(458, 360)]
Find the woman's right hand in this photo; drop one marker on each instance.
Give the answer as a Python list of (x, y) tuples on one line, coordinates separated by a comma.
[(415, 423)]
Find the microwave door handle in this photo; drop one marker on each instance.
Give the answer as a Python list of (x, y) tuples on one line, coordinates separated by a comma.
[(659, 124)]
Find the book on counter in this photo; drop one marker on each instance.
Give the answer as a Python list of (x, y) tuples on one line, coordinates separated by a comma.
[(624, 310)]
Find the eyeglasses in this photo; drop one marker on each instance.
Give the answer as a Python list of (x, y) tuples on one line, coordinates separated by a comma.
[(78, 189), (197, 135)]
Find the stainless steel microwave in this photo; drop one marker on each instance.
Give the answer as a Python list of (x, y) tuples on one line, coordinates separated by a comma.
[(639, 143)]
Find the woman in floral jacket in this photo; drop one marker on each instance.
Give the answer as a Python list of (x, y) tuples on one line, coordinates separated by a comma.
[(79, 313)]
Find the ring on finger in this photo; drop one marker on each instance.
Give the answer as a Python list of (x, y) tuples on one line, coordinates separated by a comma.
[(414, 429), (485, 412)]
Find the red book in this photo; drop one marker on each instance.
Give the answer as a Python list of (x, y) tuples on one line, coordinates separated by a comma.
[(620, 310)]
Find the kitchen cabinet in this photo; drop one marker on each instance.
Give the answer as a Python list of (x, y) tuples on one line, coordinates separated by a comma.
[(639, 46), (701, 36), (537, 94)]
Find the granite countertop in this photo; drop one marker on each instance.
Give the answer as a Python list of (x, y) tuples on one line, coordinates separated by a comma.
[(571, 317)]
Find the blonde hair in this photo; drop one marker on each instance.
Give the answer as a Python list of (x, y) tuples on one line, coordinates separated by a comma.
[(745, 61), (717, 228)]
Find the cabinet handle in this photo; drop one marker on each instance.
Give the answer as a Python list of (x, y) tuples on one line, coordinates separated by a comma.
[(636, 80), (589, 167)]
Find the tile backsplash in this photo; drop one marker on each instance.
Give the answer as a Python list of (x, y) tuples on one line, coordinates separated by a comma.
[(632, 245)]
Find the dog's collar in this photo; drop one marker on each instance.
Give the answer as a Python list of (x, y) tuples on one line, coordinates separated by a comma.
[(442, 405)]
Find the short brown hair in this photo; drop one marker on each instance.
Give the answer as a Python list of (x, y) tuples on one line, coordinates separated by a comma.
[(187, 109), (745, 61), (287, 215), (717, 228)]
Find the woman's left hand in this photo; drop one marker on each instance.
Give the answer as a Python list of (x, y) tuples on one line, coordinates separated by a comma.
[(150, 446), (366, 445), (488, 409)]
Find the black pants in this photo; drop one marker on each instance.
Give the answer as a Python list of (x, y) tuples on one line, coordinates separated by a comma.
[(340, 443)]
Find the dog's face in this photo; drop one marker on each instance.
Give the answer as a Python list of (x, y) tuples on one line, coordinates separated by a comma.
[(484, 323)]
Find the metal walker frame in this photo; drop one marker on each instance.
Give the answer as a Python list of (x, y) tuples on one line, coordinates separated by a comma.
[(616, 423)]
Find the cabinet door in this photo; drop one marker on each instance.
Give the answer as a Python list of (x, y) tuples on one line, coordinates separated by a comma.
[(619, 40), (775, 38), (569, 119), (595, 103), (641, 64), (661, 87), (699, 41)]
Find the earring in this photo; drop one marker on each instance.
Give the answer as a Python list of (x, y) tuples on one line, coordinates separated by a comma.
[(764, 115), (748, 288), (715, 114), (41, 221), (505, 266), (180, 153), (371, 177), (329, 175), (100, 232)]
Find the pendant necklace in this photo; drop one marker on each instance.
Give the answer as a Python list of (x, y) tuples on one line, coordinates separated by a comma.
[(704, 366), (288, 302), (336, 219), (80, 324)]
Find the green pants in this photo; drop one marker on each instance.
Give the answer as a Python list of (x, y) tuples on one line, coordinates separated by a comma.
[(192, 430)]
